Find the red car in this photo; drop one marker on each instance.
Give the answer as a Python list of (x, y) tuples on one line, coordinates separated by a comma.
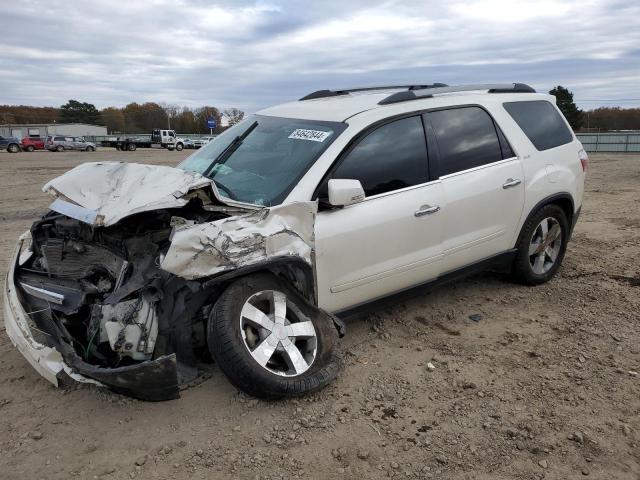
[(32, 143)]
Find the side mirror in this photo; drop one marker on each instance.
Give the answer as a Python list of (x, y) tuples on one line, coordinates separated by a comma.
[(344, 192)]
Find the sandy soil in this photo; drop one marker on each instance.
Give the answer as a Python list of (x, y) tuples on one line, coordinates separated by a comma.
[(543, 386)]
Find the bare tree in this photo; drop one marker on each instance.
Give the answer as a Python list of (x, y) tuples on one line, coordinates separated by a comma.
[(171, 110), (233, 115)]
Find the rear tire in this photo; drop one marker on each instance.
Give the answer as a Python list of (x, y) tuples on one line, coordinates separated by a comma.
[(131, 147), (272, 359), (541, 246), (90, 149), (59, 148), (30, 148), (13, 148)]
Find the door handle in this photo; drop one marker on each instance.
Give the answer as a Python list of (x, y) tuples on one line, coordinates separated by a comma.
[(511, 183), (426, 210)]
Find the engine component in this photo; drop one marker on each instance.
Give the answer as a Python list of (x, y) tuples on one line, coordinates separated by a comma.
[(130, 327)]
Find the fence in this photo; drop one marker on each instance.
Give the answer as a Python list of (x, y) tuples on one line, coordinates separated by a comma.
[(610, 142)]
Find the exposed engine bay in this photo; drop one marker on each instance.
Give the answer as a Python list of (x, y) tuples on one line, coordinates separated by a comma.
[(100, 294), (116, 283)]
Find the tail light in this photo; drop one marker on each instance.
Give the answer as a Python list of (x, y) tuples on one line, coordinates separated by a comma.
[(584, 159)]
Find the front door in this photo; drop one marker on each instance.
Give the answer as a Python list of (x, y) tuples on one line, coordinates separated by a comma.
[(392, 239), (79, 144)]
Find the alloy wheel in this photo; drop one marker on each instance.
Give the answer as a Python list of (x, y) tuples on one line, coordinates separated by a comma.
[(545, 245), (279, 337)]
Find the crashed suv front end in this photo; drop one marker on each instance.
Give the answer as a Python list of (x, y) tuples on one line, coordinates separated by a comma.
[(115, 284)]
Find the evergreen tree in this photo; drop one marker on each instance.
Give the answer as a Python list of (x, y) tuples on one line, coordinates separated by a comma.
[(564, 100), (79, 112)]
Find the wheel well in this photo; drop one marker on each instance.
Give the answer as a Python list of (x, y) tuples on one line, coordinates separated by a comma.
[(562, 200), (566, 205), (296, 272)]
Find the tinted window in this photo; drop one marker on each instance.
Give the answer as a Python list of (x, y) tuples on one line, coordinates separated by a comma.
[(466, 139), (391, 157), (59, 139), (541, 123)]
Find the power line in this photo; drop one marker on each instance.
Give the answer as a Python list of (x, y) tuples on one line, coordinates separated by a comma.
[(609, 100)]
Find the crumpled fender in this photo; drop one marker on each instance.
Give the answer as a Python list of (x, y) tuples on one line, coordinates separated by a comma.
[(203, 250)]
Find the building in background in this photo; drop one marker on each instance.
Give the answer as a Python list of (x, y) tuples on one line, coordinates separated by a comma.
[(44, 129)]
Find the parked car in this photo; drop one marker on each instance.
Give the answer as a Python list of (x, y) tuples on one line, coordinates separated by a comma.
[(32, 143), (60, 143), (258, 245), (188, 143), (200, 142), (10, 144)]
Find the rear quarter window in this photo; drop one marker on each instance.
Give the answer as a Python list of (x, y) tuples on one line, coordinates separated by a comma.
[(541, 123)]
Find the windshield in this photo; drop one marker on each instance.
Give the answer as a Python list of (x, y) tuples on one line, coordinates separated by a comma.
[(260, 159)]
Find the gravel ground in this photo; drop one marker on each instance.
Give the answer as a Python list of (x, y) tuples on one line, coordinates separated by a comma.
[(544, 385)]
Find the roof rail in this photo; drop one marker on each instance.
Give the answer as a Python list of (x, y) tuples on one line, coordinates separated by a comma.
[(415, 94), (335, 93)]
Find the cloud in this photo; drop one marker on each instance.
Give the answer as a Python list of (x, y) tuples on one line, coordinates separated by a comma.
[(253, 54)]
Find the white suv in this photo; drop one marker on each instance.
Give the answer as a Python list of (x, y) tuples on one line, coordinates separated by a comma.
[(255, 246)]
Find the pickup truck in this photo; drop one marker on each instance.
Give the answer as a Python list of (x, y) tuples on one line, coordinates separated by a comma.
[(32, 143), (10, 144)]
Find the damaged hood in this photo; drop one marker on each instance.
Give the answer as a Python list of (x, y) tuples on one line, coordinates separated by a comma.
[(104, 193)]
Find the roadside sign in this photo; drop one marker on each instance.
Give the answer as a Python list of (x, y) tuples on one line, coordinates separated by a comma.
[(211, 123)]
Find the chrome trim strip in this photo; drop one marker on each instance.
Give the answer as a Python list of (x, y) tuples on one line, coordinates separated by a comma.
[(400, 190), (480, 167), (43, 294)]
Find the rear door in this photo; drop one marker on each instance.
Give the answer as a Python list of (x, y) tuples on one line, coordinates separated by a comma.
[(482, 183), (392, 239)]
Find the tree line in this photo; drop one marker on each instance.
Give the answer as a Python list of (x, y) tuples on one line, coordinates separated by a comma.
[(133, 118), (602, 118), (143, 117)]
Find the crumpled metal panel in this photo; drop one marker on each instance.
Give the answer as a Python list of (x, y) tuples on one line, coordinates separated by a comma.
[(114, 190), (207, 249)]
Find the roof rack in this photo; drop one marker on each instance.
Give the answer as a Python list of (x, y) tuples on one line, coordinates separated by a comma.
[(415, 94), (335, 93)]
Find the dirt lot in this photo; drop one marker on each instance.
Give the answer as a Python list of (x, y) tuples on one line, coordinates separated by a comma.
[(543, 386)]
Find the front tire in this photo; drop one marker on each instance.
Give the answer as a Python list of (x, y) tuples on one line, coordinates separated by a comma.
[(541, 246), (13, 148), (59, 148), (30, 148), (269, 342), (179, 147), (90, 149)]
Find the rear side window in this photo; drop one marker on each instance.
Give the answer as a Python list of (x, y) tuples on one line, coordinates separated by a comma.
[(466, 138), (541, 123), (59, 139), (391, 157)]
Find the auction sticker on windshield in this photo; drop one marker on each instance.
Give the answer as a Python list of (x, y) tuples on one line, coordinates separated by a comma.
[(313, 135)]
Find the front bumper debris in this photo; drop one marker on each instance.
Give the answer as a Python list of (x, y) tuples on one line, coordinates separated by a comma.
[(153, 380)]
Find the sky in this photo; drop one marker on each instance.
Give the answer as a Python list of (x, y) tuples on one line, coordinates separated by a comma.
[(252, 54)]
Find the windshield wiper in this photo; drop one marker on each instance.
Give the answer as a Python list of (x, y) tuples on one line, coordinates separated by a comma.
[(232, 147), (224, 188)]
